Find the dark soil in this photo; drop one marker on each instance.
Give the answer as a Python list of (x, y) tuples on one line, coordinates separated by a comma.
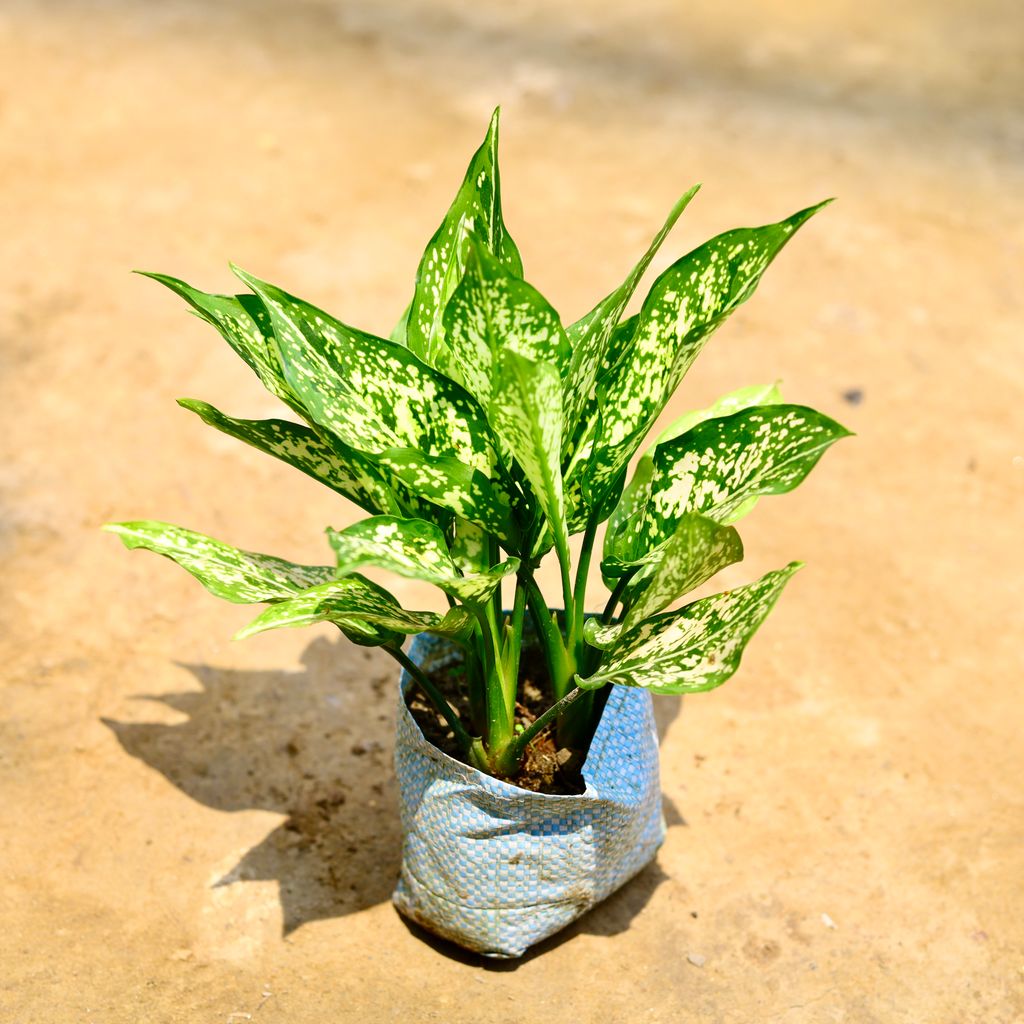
[(546, 768)]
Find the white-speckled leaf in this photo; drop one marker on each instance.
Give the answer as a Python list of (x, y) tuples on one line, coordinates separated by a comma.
[(377, 397), (457, 488), (697, 550), (355, 604), (492, 311), (685, 305), (476, 211), (695, 649), (416, 549), (526, 413), (244, 324), (716, 467), (590, 335), (343, 469), (244, 577), (634, 496)]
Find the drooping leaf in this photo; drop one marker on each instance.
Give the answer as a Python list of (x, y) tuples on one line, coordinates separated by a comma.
[(590, 336), (244, 577), (355, 603), (697, 550), (634, 495), (476, 211), (685, 305), (526, 413), (341, 468), (416, 549), (695, 649), (492, 311)]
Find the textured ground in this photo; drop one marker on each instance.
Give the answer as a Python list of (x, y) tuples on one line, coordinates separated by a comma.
[(197, 831)]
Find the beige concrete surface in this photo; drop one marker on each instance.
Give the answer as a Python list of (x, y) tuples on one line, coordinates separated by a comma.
[(196, 831)]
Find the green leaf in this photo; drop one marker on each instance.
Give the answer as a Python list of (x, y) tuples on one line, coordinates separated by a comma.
[(492, 311), (718, 466), (591, 335), (697, 550), (685, 305), (243, 577), (416, 549), (457, 488), (377, 397), (244, 324), (355, 604), (476, 211), (329, 461), (695, 649), (526, 413), (633, 498)]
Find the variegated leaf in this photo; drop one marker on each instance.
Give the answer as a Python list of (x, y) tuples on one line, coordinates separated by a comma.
[(685, 305), (355, 604), (416, 549), (695, 649), (343, 469), (697, 550), (491, 311), (634, 496), (244, 324), (476, 211), (526, 413), (457, 488), (734, 401), (377, 397), (243, 577), (718, 466), (590, 336)]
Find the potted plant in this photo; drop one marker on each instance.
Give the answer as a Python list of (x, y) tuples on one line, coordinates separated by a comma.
[(480, 437)]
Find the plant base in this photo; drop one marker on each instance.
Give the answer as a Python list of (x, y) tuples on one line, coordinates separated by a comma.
[(496, 868)]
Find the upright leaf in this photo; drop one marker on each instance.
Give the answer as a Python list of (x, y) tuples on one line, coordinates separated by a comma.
[(355, 604), (697, 550), (244, 577), (492, 311), (476, 211), (590, 336), (526, 413), (697, 648), (416, 549), (685, 305), (341, 468)]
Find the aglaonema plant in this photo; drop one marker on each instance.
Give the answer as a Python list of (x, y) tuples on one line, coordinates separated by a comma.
[(483, 434)]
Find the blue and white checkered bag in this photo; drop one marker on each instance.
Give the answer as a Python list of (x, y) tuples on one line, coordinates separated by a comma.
[(496, 868)]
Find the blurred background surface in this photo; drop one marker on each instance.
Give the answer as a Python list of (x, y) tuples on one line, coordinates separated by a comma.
[(848, 838)]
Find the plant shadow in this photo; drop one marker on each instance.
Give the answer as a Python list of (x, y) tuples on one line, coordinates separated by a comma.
[(315, 745)]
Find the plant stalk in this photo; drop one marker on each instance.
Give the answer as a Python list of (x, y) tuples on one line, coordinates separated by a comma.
[(515, 751), (435, 697)]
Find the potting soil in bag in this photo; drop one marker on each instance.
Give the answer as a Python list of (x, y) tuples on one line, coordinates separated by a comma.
[(497, 868)]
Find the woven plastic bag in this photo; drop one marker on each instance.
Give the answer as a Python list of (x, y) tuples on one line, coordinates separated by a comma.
[(496, 868)]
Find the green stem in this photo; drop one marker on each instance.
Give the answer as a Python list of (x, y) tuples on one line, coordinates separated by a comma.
[(434, 695), (515, 636), (560, 668), (513, 756), (609, 609), (499, 710), (582, 570)]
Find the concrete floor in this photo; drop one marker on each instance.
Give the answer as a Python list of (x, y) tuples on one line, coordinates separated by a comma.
[(196, 831)]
